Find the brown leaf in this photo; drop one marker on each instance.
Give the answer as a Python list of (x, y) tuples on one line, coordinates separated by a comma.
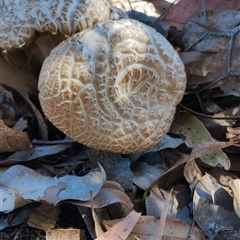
[(203, 149), (62, 234), (192, 173), (233, 134), (174, 229), (122, 228), (44, 218), (185, 9), (11, 140), (110, 193), (21, 80), (235, 186)]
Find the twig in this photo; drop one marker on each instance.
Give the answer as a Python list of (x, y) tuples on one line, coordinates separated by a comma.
[(55, 142)]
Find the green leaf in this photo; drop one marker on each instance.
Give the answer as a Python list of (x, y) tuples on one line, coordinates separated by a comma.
[(193, 132)]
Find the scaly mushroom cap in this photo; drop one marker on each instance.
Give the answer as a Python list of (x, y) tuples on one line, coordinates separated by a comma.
[(22, 20), (113, 87)]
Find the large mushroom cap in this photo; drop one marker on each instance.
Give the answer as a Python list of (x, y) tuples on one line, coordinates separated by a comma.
[(22, 20), (113, 87)]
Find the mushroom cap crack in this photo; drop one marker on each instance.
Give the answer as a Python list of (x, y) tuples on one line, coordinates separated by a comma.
[(113, 87)]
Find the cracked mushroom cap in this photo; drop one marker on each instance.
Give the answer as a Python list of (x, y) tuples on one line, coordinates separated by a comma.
[(22, 20), (113, 87)]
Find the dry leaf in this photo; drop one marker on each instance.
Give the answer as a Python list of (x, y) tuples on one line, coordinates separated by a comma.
[(86, 214), (233, 134), (22, 80), (194, 133), (144, 174), (166, 142), (111, 192), (217, 21), (11, 140), (212, 219), (216, 65), (17, 217), (162, 180), (33, 153), (192, 173), (122, 228), (193, 57), (116, 167), (63, 234), (235, 186), (209, 189), (210, 153), (174, 229), (44, 219), (185, 9), (26, 182), (155, 202), (157, 235), (20, 125)]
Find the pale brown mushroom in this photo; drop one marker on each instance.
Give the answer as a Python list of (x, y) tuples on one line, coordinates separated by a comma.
[(113, 87), (22, 21)]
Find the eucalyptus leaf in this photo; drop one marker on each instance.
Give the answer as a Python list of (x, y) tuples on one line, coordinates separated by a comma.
[(193, 132)]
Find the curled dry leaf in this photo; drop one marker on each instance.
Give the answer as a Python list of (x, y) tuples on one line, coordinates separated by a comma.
[(174, 229), (235, 186), (122, 228), (233, 134), (33, 153), (192, 173), (11, 140), (110, 193), (52, 190), (210, 190)]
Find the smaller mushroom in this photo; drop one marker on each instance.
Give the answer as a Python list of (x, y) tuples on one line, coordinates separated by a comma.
[(23, 21), (113, 87)]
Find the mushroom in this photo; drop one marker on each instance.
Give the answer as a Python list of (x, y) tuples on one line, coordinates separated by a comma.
[(22, 21), (113, 87)]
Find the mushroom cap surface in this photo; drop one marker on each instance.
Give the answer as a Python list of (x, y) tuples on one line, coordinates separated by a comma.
[(22, 20), (113, 87)]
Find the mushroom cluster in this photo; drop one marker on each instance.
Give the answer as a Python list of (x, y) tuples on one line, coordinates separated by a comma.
[(112, 85)]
